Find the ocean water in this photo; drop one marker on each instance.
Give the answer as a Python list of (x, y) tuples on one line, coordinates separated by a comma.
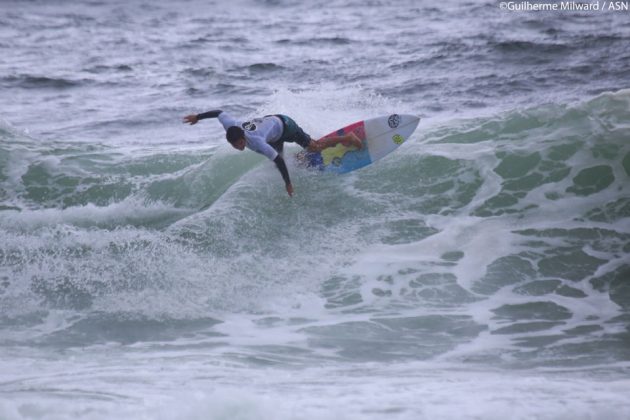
[(150, 271)]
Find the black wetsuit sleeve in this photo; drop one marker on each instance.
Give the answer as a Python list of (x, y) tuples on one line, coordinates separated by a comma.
[(282, 167), (209, 114)]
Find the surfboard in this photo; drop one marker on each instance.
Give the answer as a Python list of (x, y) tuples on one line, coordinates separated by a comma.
[(380, 137)]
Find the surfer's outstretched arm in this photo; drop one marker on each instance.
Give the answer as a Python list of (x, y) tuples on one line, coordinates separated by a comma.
[(282, 167), (194, 118), (348, 140)]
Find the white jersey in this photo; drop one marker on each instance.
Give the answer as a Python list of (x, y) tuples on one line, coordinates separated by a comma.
[(259, 132)]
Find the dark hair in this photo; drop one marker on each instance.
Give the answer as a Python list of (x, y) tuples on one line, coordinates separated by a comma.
[(234, 133)]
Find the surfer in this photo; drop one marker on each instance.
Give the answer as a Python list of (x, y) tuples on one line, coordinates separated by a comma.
[(268, 134)]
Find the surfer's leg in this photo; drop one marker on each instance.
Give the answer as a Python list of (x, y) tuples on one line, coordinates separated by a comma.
[(348, 140), (351, 139), (298, 136), (293, 133)]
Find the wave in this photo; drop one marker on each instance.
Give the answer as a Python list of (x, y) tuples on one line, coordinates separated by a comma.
[(336, 40), (511, 228), (68, 176), (103, 68), (538, 47), (41, 82)]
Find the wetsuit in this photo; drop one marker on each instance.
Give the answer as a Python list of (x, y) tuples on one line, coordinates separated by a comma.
[(266, 135)]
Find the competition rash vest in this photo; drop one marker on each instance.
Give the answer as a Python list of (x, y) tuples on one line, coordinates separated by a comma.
[(259, 132)]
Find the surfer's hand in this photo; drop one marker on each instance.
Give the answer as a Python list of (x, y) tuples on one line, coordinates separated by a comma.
[(290, 190), (191, 119)]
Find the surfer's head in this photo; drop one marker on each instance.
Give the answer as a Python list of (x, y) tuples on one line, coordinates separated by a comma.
[(236, 136)]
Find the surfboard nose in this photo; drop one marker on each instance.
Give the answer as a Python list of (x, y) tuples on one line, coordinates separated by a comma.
[(410, 119)]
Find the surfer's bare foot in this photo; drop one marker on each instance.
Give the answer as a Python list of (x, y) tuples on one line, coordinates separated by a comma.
[(353, 140)]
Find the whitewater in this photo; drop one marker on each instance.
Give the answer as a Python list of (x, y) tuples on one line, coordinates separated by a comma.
[(150, 271)]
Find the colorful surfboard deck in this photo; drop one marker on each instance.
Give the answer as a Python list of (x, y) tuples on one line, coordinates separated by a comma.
[(380, 137)]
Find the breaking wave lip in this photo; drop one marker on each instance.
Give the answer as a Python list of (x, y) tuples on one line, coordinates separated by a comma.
[(102, 186), (132, 211)]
